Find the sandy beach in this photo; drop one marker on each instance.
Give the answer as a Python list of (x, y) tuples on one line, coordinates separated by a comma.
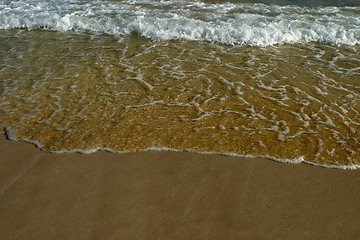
[(167, 195), (245, 78)]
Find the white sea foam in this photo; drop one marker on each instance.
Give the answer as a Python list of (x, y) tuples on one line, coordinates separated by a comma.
[(11, 134), (228, 23)]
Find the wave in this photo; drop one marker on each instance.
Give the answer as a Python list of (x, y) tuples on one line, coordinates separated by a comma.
[(234, 24)]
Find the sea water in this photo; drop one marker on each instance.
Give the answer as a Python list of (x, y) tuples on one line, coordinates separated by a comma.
[(277, 79)]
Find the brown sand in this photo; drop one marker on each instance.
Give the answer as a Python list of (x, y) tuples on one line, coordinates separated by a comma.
[(166, 195)]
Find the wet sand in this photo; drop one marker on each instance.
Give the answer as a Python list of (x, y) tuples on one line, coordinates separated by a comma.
[(167, 195)]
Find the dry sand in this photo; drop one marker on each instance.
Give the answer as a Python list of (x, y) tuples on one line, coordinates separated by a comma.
[(166, 195)]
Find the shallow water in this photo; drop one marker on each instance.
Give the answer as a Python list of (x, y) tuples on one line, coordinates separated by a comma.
[(87, 92), (297, 101)]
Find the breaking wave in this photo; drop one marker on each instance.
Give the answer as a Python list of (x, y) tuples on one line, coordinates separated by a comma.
[(233, 24)]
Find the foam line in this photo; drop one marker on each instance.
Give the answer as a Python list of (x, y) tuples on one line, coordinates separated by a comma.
[(11, 134)]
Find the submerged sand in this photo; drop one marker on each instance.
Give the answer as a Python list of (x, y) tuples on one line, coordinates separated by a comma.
[(171, 195), (69, 91)]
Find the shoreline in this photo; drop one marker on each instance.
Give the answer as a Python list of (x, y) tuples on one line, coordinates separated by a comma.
[(11, 135), (171, 195)]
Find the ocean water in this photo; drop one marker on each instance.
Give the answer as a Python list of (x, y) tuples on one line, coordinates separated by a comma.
[(277, 79)]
